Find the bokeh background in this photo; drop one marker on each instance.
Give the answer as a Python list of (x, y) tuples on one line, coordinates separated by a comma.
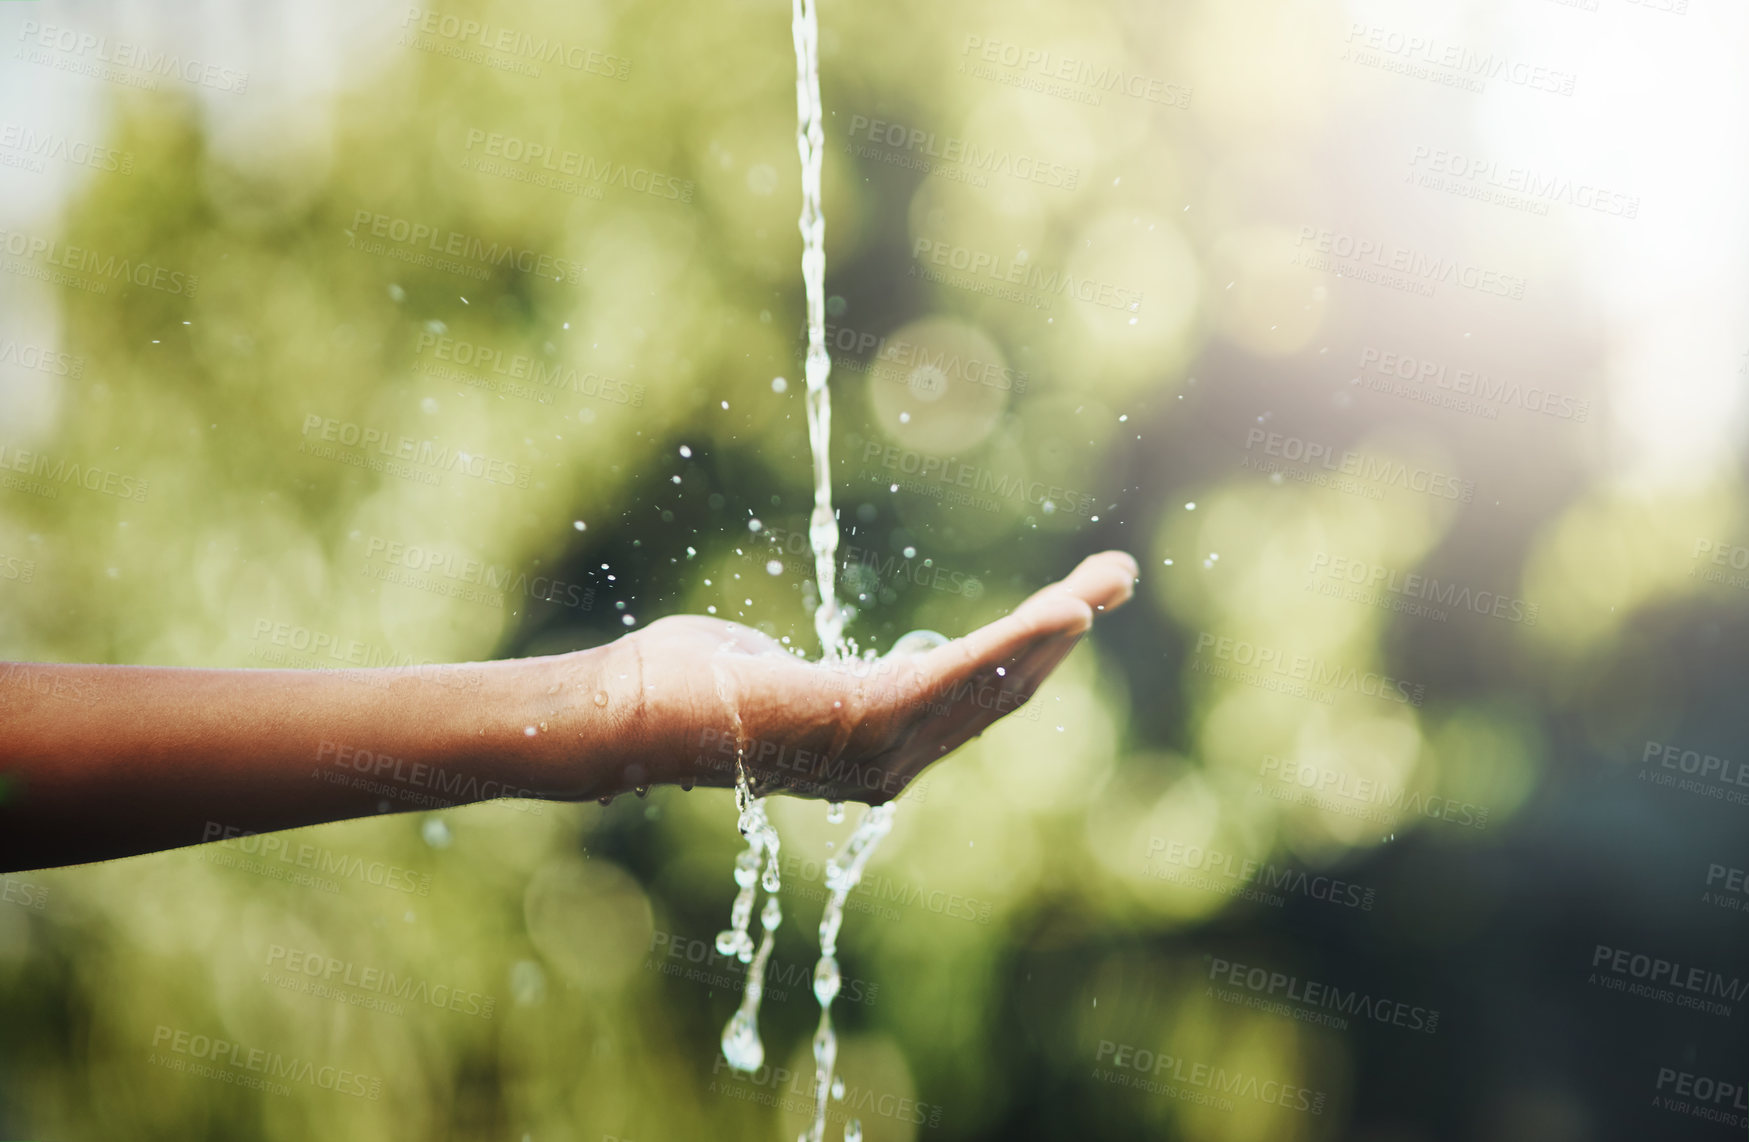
[(1404, 347)]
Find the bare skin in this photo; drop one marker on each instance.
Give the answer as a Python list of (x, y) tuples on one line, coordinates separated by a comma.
[(98, 762)]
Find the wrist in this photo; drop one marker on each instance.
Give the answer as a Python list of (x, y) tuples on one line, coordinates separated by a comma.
[(569, 724)]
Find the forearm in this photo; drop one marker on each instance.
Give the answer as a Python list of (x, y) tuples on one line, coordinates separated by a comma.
[(108, 761)]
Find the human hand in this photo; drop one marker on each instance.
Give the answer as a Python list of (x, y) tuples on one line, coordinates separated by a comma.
[(849, 730)]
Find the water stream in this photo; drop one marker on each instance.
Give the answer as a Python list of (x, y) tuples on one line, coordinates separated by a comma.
[(742, 1047)]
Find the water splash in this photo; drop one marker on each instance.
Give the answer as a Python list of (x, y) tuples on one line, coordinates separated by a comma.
[(742, 1047), (741, 1044), (843, 873)]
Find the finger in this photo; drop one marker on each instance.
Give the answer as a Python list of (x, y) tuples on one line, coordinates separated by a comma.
[(1008, 638), (1104, 581)]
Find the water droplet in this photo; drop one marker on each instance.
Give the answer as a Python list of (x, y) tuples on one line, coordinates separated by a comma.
[(1191, 506), (741, 1045), (779, 385), (529, 731), (771, 915), (774, 567), (910, 553), (853, 1130), (435, 832), (835, 812), (601, 697), (918, 641), (826, 980), (686, 451)]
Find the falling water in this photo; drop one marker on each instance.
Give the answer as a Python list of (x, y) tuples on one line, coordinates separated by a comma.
[(811, 145), (741, 1044)]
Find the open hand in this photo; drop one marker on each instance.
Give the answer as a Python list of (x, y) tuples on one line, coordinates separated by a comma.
[(848, 730)]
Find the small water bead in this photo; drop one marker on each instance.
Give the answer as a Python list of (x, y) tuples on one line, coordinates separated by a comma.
[(826, 980), (838, 1088), (835, 812), (601, 697), (918, 642), (853, 1130), (741, 1045), (772, 915), (747, 868)]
